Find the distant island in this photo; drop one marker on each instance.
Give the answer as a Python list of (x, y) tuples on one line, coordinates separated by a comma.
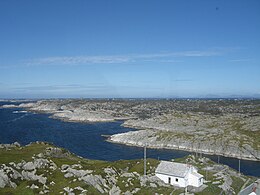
[(227, 127)]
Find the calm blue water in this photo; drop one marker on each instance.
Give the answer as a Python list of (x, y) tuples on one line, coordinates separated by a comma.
[(85, 139)]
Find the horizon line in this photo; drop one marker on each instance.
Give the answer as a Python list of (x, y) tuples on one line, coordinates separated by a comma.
[(164, 98)]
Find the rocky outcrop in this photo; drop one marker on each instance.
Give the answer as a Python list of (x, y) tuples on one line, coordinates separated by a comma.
[(24, 171), (70, 172), (41, 175), (7, 146), (32, 176), (56, 152), (109, 183), (96, 181), (9, 106), (155, 139), (115, 190), (83, 116), (5, 180)]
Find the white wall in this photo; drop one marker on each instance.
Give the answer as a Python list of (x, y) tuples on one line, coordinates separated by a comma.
[(191, 180), (194, 181), (181, 181)]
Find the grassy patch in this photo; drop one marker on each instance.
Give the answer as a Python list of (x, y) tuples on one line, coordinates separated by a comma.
[(20, 190), (25, 153), (237, 184), (211, 189)]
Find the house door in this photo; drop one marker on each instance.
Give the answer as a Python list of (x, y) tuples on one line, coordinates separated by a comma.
[(169, 180)]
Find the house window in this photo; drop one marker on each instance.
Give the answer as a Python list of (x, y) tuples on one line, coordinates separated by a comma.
[(176, 179), (169, 180)]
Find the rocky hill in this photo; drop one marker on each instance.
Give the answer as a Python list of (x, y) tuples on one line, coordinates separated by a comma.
[(41, 168)]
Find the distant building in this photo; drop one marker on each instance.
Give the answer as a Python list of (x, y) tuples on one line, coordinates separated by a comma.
[(179, 174), (252, 189)]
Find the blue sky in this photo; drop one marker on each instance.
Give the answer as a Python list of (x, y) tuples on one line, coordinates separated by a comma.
[(170, 48)]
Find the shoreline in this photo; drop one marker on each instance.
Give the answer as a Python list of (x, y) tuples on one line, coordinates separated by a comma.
[(94, 117), (185, 150)]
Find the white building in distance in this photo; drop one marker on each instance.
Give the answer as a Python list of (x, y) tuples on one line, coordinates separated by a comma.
[(179, 174)]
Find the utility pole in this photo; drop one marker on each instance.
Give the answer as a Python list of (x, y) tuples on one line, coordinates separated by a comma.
[(206, 174), (145, 160)]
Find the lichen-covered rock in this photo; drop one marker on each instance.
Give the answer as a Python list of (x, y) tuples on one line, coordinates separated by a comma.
[(115, 190), (78, 173), (15, 174), (96, 181), (127, 175), (71, 172), (4, 180), (109, 171), (28, 166), (41, 163), (56, 152), (33, 186), (31, 176)]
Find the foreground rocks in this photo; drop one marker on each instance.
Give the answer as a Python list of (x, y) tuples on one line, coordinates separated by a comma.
[(40, 173), (53, 170), (23, 171)]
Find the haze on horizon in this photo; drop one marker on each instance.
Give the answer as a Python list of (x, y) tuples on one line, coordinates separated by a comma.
[(125, 49)]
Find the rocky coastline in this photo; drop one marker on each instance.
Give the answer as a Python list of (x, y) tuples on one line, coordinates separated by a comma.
[(220, 127), (148, 138)]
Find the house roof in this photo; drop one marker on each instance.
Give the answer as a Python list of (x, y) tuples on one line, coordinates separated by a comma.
[(197, 175), (172, 168)]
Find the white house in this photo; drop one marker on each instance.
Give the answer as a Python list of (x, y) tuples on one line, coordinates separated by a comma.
[(179, 174)]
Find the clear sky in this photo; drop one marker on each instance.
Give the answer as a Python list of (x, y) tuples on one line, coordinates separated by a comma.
[(131, 48)]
